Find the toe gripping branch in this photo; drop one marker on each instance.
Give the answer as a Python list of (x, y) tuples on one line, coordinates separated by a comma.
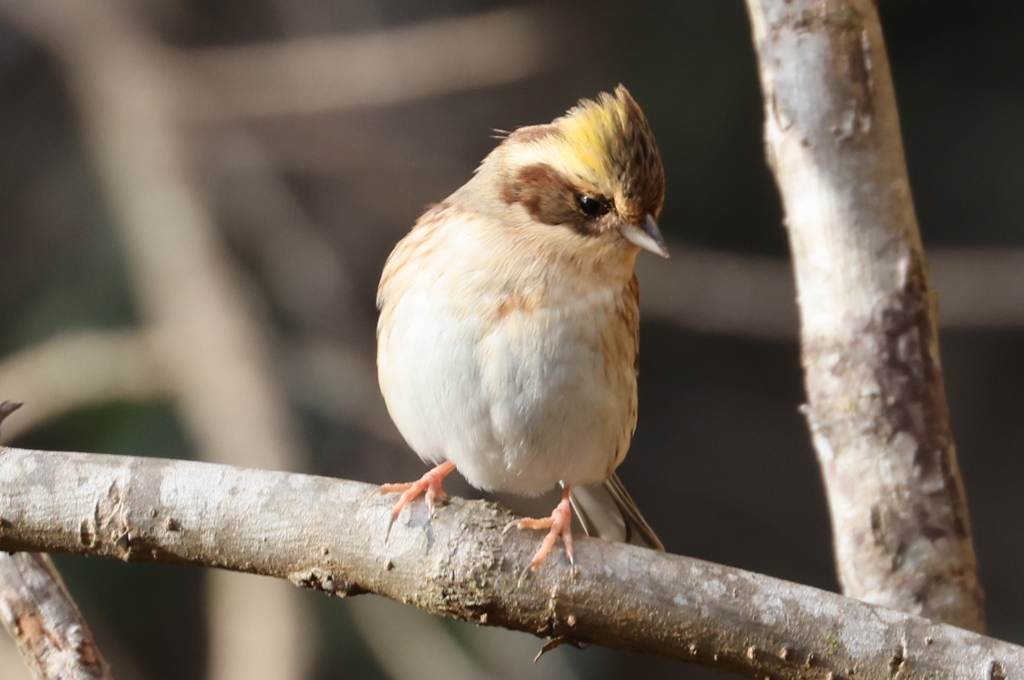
[(559, 524), (429, 485)]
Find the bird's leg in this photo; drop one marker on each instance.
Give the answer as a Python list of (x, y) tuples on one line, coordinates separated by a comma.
[(558, 524), (429, 485)]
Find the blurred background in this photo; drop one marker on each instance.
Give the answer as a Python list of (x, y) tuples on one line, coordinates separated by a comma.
[(197, 197)]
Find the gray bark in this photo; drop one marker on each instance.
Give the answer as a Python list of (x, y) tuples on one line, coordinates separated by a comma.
[(328, 534), (47, 627), (876, 401)]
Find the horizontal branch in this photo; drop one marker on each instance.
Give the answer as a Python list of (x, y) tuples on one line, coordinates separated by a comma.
[(328, 534)]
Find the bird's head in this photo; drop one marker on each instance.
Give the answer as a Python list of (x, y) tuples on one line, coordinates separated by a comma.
[(594, 172)]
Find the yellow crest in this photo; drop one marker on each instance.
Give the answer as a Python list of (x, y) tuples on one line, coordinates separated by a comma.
[(610, 138)]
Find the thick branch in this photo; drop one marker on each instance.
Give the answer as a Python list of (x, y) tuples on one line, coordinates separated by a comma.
[(40, 615), (876, 401), (328, 534)]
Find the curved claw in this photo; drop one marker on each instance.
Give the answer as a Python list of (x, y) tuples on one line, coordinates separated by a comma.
[(429, 485), (559, 525)]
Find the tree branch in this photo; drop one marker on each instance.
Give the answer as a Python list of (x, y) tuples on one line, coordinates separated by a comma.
[(877, 406), (328, 534), (37, 610), (40, 615), (876, 402)]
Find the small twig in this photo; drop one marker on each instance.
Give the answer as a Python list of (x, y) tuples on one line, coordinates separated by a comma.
[(555, 643)]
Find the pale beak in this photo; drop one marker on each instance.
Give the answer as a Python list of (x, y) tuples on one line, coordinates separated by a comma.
[(645, 235)]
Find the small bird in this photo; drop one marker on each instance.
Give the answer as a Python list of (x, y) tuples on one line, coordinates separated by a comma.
[(509, 324)]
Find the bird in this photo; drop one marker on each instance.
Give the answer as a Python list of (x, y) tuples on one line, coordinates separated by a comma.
[(508, 329)]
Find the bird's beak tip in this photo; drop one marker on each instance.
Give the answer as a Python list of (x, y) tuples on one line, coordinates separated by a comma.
[(647, 236)]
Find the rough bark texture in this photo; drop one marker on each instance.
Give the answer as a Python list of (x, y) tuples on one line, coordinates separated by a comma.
[(38, 612), (876, 402), (328, 534)]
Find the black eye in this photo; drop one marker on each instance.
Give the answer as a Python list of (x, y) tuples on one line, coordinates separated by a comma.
[(592, 206)]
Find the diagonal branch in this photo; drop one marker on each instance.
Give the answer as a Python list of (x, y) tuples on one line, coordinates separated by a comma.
[(40, 615), (328, 534)]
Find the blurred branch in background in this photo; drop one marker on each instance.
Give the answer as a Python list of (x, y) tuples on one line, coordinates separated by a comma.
[(699, 289), (205, 343), (339, 384), (77, 370), (90, 368), (978, 287), (334, 73), (421, 637), (38, 612), (720, 292), (461, 565), (303, 274), (876, 400)]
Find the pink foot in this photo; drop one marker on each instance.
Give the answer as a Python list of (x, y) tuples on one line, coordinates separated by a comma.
[(429, 485), (558, 524)]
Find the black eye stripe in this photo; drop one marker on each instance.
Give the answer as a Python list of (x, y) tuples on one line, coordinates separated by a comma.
[(594, 206)]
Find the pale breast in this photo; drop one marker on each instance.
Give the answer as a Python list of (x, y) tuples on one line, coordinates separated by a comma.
[(521, 390)]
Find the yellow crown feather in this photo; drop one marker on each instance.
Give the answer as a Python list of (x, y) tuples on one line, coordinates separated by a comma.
[(610, 138)]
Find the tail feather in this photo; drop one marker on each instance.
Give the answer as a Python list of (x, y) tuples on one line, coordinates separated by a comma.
[(608, 511)]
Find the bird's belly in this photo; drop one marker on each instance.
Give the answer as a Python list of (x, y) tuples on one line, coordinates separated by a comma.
[(518, 403)]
